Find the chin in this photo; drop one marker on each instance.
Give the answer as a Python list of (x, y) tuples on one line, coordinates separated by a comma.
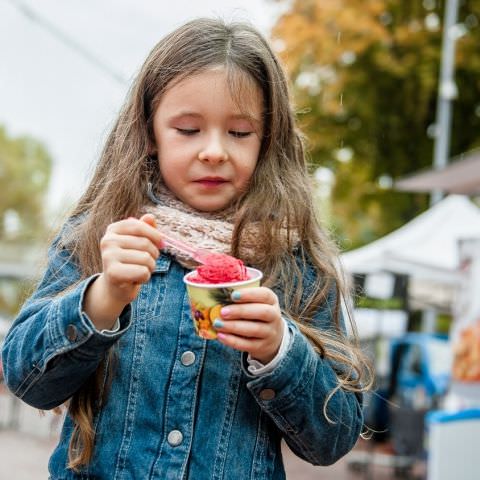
[(210, 208), (211, 205)]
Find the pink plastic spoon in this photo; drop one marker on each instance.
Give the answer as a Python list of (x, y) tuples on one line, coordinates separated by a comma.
[(198, 254)]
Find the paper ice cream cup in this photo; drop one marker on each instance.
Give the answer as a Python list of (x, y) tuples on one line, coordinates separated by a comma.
[(207, 299)]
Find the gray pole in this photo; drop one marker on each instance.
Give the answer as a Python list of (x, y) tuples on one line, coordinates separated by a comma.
[(447, 91)]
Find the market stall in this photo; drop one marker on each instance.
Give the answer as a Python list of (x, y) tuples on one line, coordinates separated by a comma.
[(425, 249)]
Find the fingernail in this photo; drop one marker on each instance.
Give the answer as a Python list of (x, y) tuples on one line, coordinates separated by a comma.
[(236, 295), (225, 311), (217, 323), (221, 336)]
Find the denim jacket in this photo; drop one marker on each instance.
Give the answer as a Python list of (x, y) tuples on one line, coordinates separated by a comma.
[(179, 407)]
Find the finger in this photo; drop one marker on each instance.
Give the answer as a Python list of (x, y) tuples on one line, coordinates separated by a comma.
[(149, 219), (251, 311), (121, 273), (255, 295), (129, 242), (243, 328), (138, 228), (239, 343), (136, 257)]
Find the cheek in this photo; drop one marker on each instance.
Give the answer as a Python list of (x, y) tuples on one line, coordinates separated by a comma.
[(171, 164), (168, 165), (245, 173), (172, 152)]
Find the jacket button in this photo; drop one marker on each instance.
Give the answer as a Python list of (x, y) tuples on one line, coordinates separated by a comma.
[(187, 358), (175, 438), (267, 394), (71, 332)]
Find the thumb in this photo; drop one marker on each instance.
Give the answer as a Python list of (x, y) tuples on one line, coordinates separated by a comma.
[(149, 219)]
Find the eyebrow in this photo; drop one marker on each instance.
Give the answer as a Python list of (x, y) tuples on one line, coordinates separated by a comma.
[(238, 116), (186, 114)]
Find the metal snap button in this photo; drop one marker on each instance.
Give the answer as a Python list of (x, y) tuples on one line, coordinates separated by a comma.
[(187, 358), (267, 394), (72, 332), (175, 438)]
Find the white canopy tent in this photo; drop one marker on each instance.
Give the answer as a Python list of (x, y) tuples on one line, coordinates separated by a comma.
[(426, 249)]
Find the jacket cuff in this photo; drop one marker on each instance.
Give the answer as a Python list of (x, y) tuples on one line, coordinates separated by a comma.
[(72, 327), (290, 377)]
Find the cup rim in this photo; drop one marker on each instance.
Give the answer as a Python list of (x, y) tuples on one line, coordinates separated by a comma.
[(258, 276)]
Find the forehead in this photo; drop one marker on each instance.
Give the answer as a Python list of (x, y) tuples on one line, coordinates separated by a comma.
[(216, 88)]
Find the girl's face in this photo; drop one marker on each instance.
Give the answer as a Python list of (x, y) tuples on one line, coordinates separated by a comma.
[(207, 145)]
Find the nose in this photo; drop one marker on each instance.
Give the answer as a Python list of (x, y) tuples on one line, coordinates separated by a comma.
[(214, 150)]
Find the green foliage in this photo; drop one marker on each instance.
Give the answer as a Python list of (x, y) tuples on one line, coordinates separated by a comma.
[(25, 168), (12, 294), (443, 324), (366, 76), (381, 303)]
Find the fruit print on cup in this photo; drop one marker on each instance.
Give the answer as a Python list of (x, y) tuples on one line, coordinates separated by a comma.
[(206, 300)]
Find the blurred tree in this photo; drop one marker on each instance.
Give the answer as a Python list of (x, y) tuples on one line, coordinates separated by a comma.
[(365, 74), (25, 168)]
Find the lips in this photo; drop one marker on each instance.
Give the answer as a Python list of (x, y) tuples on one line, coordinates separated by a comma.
[(211, 181)]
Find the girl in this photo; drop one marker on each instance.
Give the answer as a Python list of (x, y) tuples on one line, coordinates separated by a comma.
[(205, 147)]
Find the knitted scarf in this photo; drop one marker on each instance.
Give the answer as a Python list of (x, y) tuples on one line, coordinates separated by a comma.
[(207, 230)]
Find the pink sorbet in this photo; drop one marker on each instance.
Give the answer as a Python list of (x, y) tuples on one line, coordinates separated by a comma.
[(220, 268)]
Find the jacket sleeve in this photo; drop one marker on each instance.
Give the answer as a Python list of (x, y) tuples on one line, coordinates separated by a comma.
[(293, 395), (52, 346)]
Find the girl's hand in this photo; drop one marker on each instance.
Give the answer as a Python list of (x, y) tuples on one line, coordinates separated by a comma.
[(253, 324), (129, 250)]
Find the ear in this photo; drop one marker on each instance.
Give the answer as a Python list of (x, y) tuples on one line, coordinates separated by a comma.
[(152, 147), (152, 151)]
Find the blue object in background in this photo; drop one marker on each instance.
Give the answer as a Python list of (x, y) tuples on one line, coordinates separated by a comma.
[(420, 369), (445, 416)]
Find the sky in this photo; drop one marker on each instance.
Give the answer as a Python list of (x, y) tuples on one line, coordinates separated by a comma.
[(51, 92)]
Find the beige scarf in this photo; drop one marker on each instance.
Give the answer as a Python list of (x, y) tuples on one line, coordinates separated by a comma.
[(207, 230)]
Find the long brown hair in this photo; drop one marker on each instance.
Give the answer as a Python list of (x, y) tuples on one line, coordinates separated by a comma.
[(278, 199)]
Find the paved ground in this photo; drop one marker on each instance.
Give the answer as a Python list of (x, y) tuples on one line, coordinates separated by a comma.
[(27, 439), (24, 456)]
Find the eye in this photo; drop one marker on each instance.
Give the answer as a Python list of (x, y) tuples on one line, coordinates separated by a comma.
[(187, 131), (237, 134)]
